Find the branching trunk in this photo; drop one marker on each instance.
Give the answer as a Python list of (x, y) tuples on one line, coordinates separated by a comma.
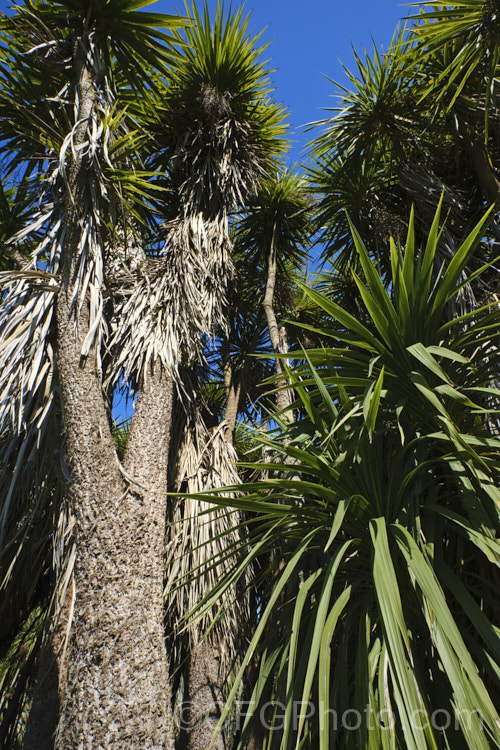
[(284, 394), (284, 399), (118, 673), (117, 684)]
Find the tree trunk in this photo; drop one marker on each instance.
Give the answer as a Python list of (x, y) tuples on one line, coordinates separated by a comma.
[(232, 390), (205, 677), (206, 700), (284, 394), (231, 412), (118, 674), (117, 684)]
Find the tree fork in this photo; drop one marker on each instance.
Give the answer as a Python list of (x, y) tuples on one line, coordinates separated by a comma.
[(117, 689)]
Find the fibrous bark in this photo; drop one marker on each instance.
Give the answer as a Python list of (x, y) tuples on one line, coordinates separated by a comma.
[(231, 411), (206, 700), (117, 685), (200, 535), (118, 682)]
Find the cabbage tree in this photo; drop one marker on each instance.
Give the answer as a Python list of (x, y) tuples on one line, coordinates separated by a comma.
[(385, 599), (62, 116)]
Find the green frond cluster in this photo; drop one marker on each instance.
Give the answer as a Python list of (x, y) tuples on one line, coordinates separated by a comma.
[(467, 34), (407, 131), (383, 599), (219, 128), (378, 112), (278, 213)]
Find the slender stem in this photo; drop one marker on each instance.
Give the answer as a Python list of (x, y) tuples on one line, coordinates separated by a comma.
[(268, 300), (284, 394)]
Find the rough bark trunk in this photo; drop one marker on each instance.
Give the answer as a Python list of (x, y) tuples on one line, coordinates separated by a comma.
[(117, 685), (284, 395), (118, 674), (204, 694), (206, 699), (232, 392)]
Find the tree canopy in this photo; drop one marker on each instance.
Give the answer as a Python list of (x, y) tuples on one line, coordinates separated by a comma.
[(293, 541)]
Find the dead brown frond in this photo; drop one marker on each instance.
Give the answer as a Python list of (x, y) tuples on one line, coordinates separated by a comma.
[(36, 551), (204, 541), (166, 304)]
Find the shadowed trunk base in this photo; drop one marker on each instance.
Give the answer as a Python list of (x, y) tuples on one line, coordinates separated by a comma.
[(44, 713), (50, 682), (205, 700)]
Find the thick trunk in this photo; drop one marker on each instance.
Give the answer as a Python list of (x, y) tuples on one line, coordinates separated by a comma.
[(117, 682), (118, 674), (284, 394), (206, 702)]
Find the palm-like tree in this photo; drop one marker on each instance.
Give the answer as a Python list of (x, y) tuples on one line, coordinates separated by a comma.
[(389, 531), (61, 113), (469, 33), (272, 240), (217, 133), (405, 133), (464, 38)]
